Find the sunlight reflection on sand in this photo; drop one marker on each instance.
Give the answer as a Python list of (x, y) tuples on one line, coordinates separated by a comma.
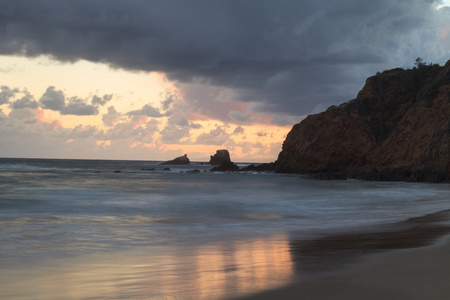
[(213, 271)]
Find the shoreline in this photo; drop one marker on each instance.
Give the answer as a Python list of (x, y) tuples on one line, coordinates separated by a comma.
[(409, 260), (408, 274)]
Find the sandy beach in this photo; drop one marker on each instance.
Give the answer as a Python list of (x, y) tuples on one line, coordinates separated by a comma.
[(76, 229), (419, 270)]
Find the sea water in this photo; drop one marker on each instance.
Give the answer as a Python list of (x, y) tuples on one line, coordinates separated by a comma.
[(98, 229)]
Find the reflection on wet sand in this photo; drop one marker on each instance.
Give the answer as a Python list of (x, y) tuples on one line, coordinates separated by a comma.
[(332, 252), (249, 267), (222, 270)]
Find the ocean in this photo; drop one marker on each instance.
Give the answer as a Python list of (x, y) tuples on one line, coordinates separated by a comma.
[(104, 229)]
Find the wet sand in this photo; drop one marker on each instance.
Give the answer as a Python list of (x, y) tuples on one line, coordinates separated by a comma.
[(409, 260)]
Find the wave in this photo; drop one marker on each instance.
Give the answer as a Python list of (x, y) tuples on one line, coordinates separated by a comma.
[(26, 168), (23, 167)]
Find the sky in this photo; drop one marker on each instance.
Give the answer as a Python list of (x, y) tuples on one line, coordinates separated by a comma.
[(153, 80)]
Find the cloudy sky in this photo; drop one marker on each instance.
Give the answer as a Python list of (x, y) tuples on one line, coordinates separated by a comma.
[(156, 79)]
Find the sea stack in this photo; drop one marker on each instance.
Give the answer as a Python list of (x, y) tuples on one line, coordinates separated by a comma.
[(397, 128), (181, 160), (220, 157)]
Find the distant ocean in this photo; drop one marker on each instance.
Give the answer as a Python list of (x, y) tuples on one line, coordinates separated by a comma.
[(103, 229)]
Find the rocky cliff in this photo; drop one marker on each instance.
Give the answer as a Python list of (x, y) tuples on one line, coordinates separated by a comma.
[(397, 128)]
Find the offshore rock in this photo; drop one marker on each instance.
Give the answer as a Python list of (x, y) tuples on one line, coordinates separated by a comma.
[(397, 128), (181, 160), (220, 157)]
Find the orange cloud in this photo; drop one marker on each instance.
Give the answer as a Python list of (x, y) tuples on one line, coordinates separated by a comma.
[(52, 126), (103, 143)]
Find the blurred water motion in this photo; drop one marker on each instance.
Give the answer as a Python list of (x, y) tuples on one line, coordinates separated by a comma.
[(216, 271), (73, 229)]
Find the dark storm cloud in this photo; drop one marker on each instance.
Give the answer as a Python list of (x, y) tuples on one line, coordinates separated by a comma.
[(288, 56)]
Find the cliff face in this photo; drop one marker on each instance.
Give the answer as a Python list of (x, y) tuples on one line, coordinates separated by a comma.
[(398, 124)]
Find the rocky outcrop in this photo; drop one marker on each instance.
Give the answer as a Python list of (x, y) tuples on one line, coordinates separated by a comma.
[(226, 166), (398, 128), (267, 167), (220, 157), (181, 160)]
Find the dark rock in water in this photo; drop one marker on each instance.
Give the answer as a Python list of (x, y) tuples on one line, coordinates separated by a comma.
[(181, 160), (397, 128), (194, 171), (226, 166), (166, 169), (223, 162), (270, 167), (117, 171), (220, 157), (150, 169)]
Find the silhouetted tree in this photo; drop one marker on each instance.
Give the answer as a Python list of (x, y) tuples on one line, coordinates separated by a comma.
[(419, 62)]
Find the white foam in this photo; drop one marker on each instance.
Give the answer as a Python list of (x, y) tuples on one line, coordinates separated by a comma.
[(23, 167)]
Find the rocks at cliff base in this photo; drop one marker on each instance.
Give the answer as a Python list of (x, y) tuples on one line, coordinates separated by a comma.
[(267, 167), (223, 162), (181, 160), (226, 166), (397, 128), (220, 157)]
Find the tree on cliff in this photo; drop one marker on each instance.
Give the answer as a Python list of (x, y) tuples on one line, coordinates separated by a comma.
[(419, 62)]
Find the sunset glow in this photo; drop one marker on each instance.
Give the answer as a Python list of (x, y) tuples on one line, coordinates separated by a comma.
[(143, 112), (155, 80), (247, 267)]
